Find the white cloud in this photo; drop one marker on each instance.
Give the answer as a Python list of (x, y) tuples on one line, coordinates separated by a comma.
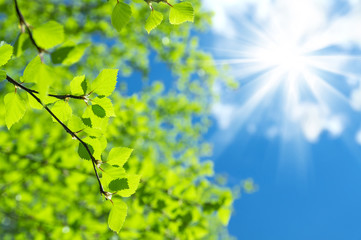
[(330, 29), (340, 30), (315, 24), (227, 9), (355, 99), (265, 10), (223, 114), (314, 119)]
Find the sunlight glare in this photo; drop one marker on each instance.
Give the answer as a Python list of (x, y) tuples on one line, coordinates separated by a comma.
[(292, 81), (298, 67), (283, 55)]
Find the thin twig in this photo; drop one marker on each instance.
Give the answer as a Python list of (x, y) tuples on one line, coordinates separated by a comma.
[(168, 3), (27, 27), (62, 97), (73, 134), (67, 96)]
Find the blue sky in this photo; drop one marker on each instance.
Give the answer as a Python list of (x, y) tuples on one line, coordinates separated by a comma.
[(294, 123)]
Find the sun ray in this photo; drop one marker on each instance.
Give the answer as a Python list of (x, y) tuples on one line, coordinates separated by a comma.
[(335, 64), (324, 92), (288, 79)]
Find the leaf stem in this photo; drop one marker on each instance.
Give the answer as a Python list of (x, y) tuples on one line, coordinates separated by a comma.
[(168, 3)]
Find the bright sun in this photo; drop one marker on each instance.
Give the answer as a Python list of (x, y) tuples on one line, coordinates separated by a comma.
[(298, 67), (288, 85), (285, 56)]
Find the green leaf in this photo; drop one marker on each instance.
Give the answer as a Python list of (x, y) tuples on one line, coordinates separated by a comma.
[(121, 15), (40, 73), (6, 51), (83, 153), (107, 178), (33, 103), (21, 44), (113, 171), (62, 111), (117, 215), (93, 121), (98, 111), (2, 75), (97, 146), (104, 83), (93, 131), (14, 107), (36, 105), (181, 13), (104, 107), (44, 78), (119, 156), (68, 54), (119, 184), (125, 186), (49, 34), (154, 19), (78, 85), (87, 121), (76, 124), (31, 70)]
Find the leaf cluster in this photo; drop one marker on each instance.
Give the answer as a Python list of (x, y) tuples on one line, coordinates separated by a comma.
[(179, 13), (48, 190)]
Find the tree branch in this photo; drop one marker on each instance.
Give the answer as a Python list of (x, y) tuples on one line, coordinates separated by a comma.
[(23, 24), (73, 134), (67, 96), (62, 97)]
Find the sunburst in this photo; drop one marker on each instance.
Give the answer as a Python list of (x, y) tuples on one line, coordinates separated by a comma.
[(292, 81)]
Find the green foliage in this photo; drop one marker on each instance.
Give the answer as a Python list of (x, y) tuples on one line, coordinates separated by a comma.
[(224, 215), (78, 86), (69, 53), (121, 15), (117, 215), (104, 83), (49, 35), (103, 107), (62, 110), (163, 188), (31, 70), (6, 51), (21, 44), (83, 153), (15, 109), (2, 75), (118, 156), (41, 74), (181, 13), (155, 18), (114, 177)]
